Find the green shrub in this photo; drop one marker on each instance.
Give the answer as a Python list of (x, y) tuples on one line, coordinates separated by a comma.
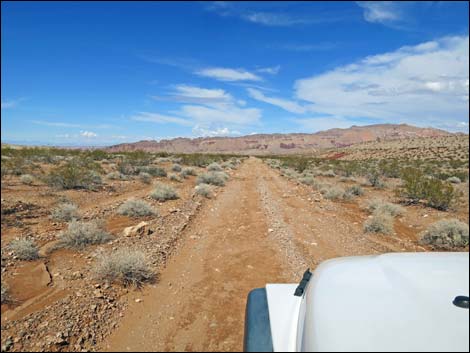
[(127, 267), (204, 190), (24, 248), (446, 234), (188, 171), (439, 194), (174, 177), (164, 192), (176, 168), (374, 179), (78, 235), (74, 174), (135, 208)]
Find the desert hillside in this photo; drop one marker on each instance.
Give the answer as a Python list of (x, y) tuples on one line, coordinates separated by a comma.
[(264, 144)]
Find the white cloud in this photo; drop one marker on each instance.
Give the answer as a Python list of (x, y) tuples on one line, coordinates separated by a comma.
[(221, 113), (285, 104), (200, 131), (8, 104), (421, 85), (194, 94), (273, 70), (380, 11), (274, 19), (88, 134), (322, 46), (160, 119), (227, 74)]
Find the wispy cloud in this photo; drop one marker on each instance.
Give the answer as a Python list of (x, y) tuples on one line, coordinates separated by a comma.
[(227, 74), (73, 125), (11, 103), (199, 131), (321, 46), (273, 70), (381, 11), (160, 119), (285, 104), (194, 94), (88, 134), (420, 85)]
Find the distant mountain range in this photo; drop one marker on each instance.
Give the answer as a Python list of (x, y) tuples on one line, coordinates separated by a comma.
[(261, 144)]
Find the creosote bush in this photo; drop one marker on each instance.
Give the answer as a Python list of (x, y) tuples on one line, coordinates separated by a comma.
[(76, 173), (27, 179), (24, 248), (213, 178), (78, 235), (163, 192), (135, 208), (380, 222), (126, 267), (65, 212), (446, 234), (204, 190)]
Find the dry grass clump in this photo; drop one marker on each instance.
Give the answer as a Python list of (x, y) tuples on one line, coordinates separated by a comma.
[(228, 164), (135, 208), (213, 178), (308, 180), (334, 193), (188, 171), (355, 190), (116, 176), (377, 205), (175, 177), (65, 212), (163, 192), (204, 190), (454, 180), (446, 234), (126, 267), (27, 179), (78, 235), (214, 167), (24, 249), (5, 295), (381, 222), (146, 178)]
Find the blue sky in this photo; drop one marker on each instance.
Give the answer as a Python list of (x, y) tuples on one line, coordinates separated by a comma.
[(98, 73)]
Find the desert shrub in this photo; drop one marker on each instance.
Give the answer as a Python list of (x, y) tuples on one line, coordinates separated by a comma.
[(188, 171), (146, 178), (24, 248), (355, 190), (127, 267), (438, 194), (176, 168), (153, 171), (65, 212), (377, 205), (27, 179), (135, 208), (116, 176), (213, 178), (380, 222), (334, 193), (214, 167), (5, 296), (454, 180), (413, 187), (204, 190), (228, 165), (308, 180), (373, 177), (174, 177), (78, 235), (446, 234), (74, 174), (164, 192), (329, 173)]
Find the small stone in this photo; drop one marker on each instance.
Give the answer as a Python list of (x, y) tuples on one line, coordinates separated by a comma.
[(138, 300)]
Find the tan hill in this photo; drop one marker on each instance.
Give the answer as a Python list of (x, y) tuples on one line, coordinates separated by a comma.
[(283, 143)]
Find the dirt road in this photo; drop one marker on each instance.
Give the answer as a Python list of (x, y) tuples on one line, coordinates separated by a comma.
[(261, 228)]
